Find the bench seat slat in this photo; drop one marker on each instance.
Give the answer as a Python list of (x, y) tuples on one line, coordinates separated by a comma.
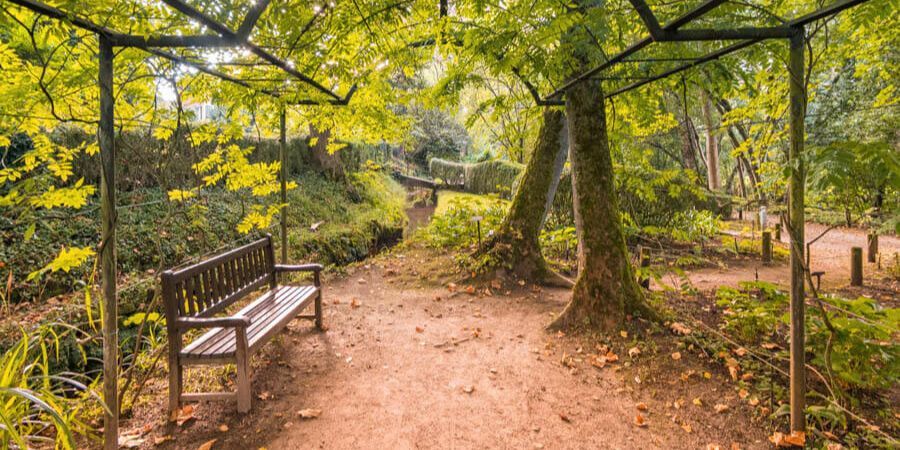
[(268, 314), (260, 312)]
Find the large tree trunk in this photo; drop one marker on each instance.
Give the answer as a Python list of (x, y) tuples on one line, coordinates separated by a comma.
[(515, 246), (712, 146), (606, 290), (328, 163)]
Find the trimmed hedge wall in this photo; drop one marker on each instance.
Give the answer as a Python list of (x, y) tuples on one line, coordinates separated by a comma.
[(495, 176)]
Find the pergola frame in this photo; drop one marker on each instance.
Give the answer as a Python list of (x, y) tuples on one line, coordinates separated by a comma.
[(793, 31)]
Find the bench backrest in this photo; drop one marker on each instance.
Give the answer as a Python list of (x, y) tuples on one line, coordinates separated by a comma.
[(205, 288)]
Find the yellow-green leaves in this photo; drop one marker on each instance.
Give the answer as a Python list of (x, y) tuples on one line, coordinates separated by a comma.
[(179, 195), (74, 197), (259, 218), (67, 259)]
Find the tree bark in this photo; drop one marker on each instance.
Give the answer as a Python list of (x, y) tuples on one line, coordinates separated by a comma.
[(516, 246), (712, 146), (606, 290), (329, 163)]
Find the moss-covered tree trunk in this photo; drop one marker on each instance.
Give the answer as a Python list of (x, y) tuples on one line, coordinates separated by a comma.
[(515, 246), (606, 289)]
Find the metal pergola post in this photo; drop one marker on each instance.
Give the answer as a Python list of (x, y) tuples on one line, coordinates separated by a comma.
[(106, 140), (282, 150), (797, 166)]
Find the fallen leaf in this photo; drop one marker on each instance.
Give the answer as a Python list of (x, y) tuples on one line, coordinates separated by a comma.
[(264, 395), (676, 356), (207, 445), (697, 401), (183, 415), (687, 428), (159, 440), (623, 333), (451, 287), (679, 328), (468, 389), (721, 407), (639, 421), (740, 351), (743, 393), (641, 406), (223, 428), (707, 375), (309, 413), (354, 303), (713, 447), (420, 330), (795, 439), (565, 418), (634, 352), (611, 357), (754, 401), (470, 290)]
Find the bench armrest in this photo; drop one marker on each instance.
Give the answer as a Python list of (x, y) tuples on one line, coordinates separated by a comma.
[(298, 268), (212, 322)]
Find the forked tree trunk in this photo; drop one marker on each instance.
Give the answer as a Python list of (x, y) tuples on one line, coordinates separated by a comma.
[(606, 290), (328, 163), (712, 145), (515, 246)]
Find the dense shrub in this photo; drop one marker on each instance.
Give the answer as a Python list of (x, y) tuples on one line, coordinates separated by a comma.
[(490, 177)]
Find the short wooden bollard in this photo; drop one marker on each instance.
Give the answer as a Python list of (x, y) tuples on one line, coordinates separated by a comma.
[(873, 247), (856, 266), (645, 262), (777, 232), (767, 247)]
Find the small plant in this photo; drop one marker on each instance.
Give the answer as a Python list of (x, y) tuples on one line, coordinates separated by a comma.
[(38, 408), (454, 224)]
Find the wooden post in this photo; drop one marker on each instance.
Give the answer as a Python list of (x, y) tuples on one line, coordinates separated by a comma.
[(284, 174), (645, 262), (777, 232), (767, 247), (856, 266), (797, 222), (106, 141), (873, 247)]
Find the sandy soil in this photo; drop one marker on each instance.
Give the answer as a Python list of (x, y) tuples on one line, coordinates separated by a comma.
[(407, 364)]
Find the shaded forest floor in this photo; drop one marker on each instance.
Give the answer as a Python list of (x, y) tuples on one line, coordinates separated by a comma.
[(408, 362)]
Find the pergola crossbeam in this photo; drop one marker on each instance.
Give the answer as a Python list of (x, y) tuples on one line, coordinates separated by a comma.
[(208, 21)]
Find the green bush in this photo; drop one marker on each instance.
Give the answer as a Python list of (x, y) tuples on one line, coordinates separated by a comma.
[(864, 353), (490, 177), (452, 225)]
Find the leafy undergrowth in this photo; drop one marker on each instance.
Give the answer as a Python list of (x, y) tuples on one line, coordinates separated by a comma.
[(852, 356)]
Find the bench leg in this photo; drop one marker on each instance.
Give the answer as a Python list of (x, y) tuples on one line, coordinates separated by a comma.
[(242, 361), (319, 309), (175, 387)]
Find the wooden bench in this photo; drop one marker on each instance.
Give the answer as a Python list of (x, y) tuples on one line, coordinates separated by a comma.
[(194, 295)]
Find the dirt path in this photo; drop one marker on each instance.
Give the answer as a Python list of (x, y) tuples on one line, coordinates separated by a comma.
[(388, 375), (830, 254)]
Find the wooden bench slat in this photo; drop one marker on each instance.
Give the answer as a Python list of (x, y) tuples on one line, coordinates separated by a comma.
[(264, 314), (259, 312)]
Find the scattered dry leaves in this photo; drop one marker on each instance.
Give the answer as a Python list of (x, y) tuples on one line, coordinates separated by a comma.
[(679, 328), (640, 421), (795, 439), (207, 445), (309, 413)]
